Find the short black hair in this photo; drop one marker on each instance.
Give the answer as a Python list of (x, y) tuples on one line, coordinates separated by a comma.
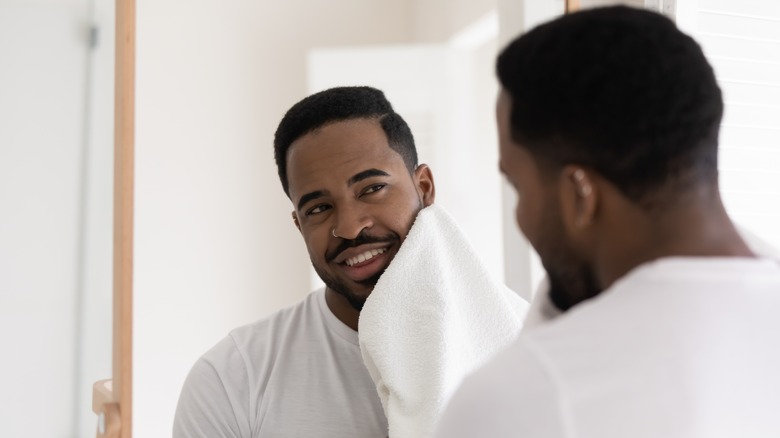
[(619, 90), (339, 104)]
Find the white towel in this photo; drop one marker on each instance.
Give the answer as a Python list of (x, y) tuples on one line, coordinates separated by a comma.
[(434, 316)]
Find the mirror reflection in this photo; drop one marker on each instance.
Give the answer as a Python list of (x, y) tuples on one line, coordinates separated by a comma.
[(215, 245)]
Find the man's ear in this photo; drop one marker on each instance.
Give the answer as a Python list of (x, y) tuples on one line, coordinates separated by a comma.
[(423, 178), (579, 197), (295, 220)]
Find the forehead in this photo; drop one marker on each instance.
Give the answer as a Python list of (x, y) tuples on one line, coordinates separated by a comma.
[(514, 160), (337, 151), (503, 104)]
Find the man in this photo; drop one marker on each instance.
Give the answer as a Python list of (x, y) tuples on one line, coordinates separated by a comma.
[(608, 126), (348, 163)]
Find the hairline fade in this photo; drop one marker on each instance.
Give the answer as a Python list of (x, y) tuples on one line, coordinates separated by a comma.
[(619, 90), (336, 105)]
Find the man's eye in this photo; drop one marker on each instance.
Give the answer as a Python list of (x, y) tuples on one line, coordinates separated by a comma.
[(317, 209), (373, 188)]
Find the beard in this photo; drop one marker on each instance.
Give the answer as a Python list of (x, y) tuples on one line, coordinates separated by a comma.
[(571, 284), (340, 286), (572, 279)]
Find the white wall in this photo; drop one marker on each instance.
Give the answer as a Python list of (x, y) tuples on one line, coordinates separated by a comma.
[(435, 21), (94, 327), (56, 165), (42, 84), (586, 4), (742, 42), (214, 243)]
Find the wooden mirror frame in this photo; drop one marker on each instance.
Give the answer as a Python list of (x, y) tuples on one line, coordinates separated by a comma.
[(112, 398)]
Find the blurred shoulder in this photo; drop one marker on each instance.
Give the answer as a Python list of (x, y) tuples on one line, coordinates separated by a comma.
[(515, 394)]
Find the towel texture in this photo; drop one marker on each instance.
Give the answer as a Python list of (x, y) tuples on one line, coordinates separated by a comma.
[(434, 316)]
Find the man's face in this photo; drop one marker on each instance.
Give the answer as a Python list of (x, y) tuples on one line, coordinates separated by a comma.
[(345, 179), (538, 214)]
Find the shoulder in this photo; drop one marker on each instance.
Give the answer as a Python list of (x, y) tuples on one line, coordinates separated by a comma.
[(246, 347), (515, 394), (273, 332), (215, 394), (212, 400), (241, 350)]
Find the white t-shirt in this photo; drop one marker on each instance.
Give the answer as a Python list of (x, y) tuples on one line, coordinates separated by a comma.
[(681, 347), (298, 373)]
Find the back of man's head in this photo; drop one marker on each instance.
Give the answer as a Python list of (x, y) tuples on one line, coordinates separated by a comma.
[(340, 104), (621, 91)]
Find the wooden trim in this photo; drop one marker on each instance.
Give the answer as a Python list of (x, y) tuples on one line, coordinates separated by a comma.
[(572, 6), (124, 145)]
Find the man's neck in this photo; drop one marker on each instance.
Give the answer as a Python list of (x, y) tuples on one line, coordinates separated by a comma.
[(341, 308), (689, 231)]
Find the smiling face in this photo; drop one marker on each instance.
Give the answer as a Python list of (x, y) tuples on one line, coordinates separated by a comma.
[(344, 179)]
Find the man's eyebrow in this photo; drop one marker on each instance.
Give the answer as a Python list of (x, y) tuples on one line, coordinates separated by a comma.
[(366, 174), (310, 197), (353, 180)]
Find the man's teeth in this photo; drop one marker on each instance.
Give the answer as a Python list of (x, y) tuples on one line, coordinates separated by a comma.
[(368, 255)]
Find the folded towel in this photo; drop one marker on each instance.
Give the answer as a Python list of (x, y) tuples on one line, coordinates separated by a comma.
[(434, 316)]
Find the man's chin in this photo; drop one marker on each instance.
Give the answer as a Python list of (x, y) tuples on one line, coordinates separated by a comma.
[(370, 282), (356, 300), (359, 297), (567, 294), (355, 292)]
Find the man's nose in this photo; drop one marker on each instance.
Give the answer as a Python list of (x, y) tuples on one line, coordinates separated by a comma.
[(351, 222)]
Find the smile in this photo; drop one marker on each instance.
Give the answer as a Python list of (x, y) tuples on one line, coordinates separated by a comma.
[(367, 255)]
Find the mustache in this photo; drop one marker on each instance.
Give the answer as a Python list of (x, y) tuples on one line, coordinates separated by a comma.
[(362, 239)]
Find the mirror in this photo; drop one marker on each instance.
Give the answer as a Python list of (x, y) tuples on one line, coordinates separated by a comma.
[(214, 244)]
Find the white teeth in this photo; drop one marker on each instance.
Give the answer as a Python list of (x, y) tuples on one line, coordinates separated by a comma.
[(360, 258)]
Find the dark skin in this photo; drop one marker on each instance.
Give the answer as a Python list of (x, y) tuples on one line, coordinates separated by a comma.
[(346, 180), (617, 235), (589, 234)]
